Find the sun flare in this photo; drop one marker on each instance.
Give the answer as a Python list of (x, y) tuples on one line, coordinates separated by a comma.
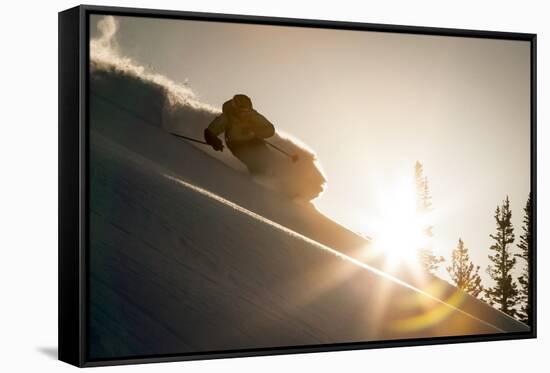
[(398, 231)]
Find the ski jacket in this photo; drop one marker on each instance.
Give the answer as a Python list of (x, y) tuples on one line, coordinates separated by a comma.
[(241, 125)]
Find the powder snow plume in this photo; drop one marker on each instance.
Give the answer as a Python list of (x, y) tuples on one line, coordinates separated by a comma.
[(173, 107)]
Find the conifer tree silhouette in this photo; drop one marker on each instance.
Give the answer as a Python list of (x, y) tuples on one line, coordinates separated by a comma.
[(504, 294), (524, 280), (426, 255), (464, 274)]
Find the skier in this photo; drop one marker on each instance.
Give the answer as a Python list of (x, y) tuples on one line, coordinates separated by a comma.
[(245, 130)]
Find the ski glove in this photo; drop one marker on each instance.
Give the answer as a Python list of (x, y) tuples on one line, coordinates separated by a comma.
[(213, 140)]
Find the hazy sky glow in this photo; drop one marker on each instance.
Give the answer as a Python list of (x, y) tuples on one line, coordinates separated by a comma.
[(370, 105)]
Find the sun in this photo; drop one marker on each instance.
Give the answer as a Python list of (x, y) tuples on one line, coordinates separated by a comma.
[(398, 230)]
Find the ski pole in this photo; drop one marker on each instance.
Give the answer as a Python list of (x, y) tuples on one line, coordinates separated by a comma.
[(190, 138), (294, 157)]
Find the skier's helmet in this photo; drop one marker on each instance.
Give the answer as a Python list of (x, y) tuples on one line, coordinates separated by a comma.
[(242, 102)]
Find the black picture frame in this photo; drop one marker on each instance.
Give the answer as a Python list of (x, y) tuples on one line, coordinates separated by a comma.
[(74, 175)]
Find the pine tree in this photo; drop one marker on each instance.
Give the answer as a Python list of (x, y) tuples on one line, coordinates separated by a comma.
[(427, 258), (524, 245), (504, 293), (426, 196), (463, 273), (420, 182)]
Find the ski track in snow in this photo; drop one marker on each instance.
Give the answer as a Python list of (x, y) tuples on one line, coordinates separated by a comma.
[(321, 246)]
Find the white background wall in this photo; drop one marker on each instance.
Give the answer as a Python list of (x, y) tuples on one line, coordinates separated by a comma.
[(28, 188)]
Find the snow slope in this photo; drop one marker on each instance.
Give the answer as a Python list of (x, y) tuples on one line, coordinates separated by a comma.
[(187, 254), (175, 268)]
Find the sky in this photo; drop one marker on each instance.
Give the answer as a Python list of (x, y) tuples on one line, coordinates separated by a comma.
[(370, 105)]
